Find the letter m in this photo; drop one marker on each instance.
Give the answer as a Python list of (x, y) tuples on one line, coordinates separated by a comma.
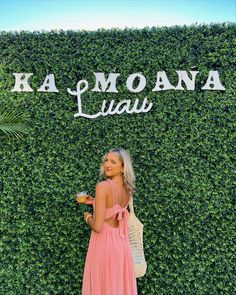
[(100, 80)]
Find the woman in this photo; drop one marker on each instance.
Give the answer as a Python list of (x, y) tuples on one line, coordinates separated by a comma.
[(109, 268)]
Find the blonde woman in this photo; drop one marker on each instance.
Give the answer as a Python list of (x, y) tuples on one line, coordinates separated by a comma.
[(109, 268)]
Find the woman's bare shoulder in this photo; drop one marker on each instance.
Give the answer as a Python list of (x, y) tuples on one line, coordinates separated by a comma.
[(103, 185)]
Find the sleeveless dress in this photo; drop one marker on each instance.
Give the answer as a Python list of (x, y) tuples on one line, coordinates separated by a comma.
[(109, 268)]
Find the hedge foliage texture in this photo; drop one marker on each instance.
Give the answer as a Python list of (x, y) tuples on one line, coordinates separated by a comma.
[(183, 154)]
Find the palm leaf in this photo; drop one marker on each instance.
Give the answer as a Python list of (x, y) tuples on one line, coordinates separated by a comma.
[(12, 124)]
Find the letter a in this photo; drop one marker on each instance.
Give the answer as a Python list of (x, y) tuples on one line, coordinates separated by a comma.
[(214, 81), (48, 84), (162, 82)]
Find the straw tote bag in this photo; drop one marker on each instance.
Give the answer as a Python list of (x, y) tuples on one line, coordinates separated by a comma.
[(135, 229)]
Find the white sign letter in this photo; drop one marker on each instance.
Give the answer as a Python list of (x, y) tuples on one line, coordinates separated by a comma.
[(78, 92), (183, 76), (162, 82), (21, 82), (48, 84), (213, 82), (100, 78), (130, 81)]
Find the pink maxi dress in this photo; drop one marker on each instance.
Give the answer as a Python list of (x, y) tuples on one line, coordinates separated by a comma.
[(109, 268)]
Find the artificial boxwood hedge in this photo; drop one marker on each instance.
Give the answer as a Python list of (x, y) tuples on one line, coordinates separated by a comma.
[(183, 153)]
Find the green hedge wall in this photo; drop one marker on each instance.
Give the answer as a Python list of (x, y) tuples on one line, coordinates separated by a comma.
[(183, 153)]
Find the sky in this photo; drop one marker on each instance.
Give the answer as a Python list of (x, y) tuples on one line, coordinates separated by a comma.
[(37, 15)]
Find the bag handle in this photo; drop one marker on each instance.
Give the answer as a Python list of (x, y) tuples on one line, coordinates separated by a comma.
[(131, 205)]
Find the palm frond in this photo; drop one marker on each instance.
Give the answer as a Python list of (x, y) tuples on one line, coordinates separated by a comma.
[(12, 124)]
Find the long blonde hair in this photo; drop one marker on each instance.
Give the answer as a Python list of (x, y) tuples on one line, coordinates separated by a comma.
[(128, 174)]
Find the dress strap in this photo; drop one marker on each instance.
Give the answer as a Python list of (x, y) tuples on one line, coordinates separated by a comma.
[(113, 192), (113, 196)]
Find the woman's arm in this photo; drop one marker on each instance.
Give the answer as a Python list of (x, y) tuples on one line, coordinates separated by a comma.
[(96, 222)]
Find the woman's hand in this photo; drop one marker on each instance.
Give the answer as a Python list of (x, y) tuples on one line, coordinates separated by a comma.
[(89, 200)]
